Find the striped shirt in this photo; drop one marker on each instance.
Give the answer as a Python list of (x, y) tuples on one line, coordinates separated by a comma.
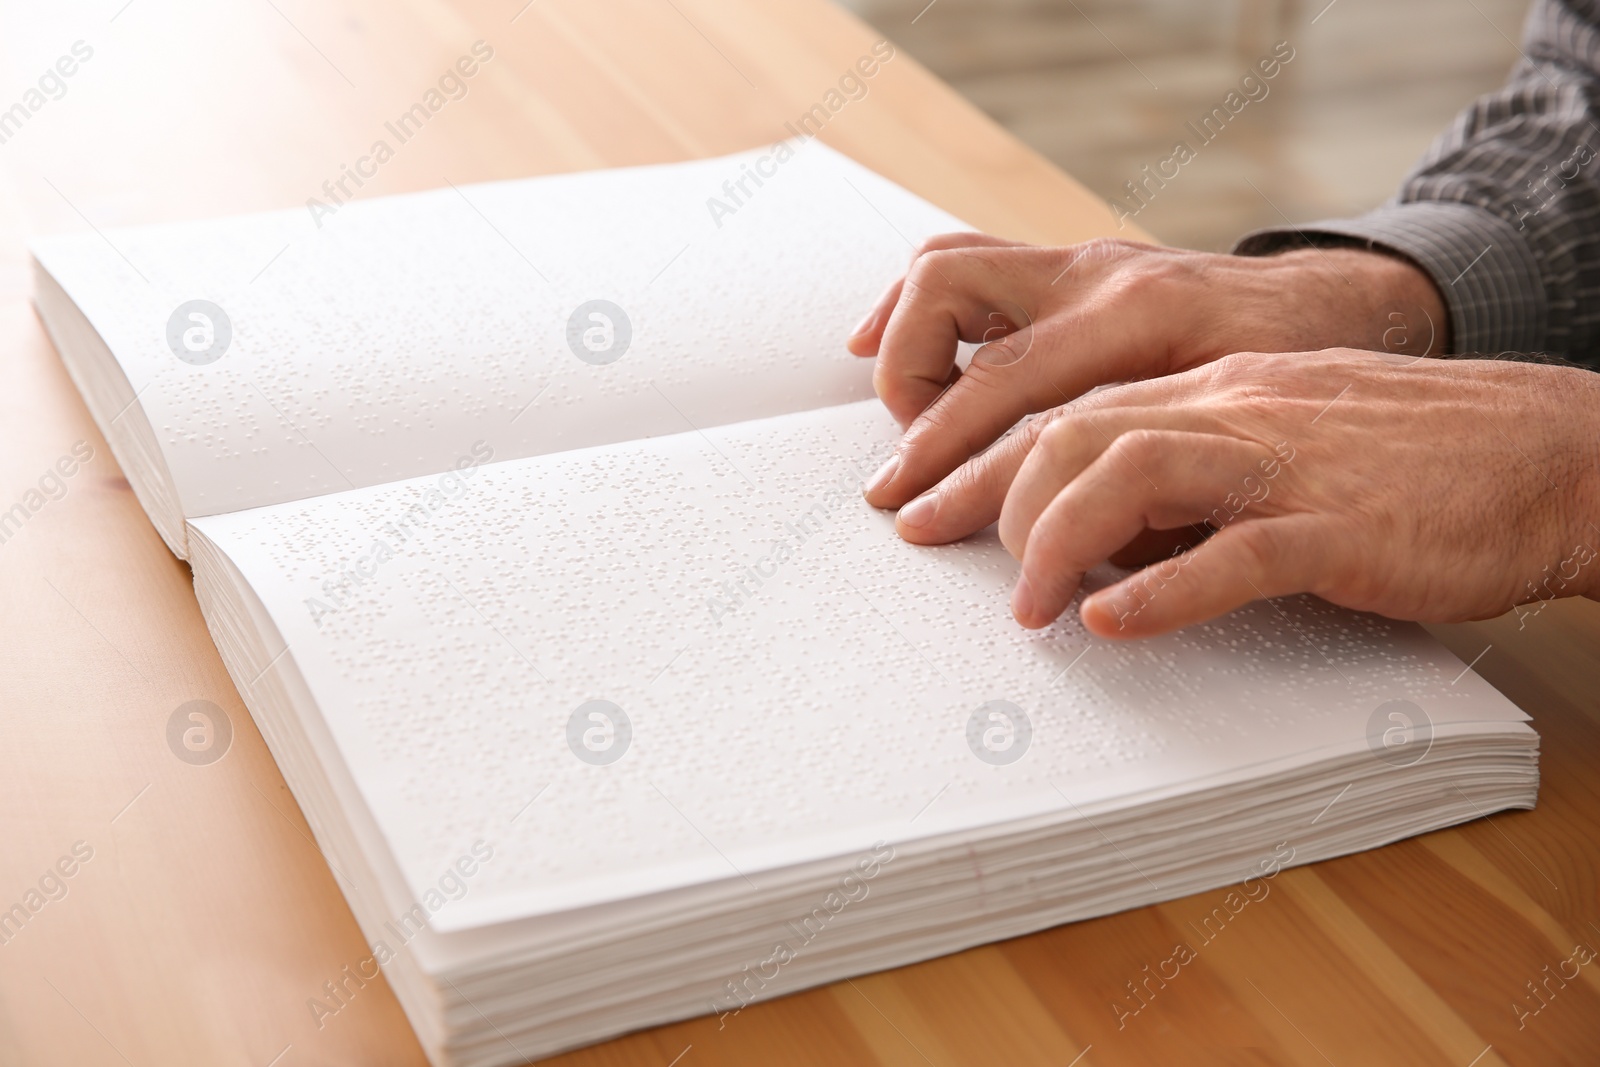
[(1503, 211)]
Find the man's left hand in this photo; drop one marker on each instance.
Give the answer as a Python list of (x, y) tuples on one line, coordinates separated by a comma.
[(1425, 489)]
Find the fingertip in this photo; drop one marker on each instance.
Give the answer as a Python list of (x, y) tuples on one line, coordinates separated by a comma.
[(915, 521), (866, 337), (1120, 611), (920, 537), (1026, 607), (1100, 616), (876, 489), (930, 519), (864, 345), (1148, 603), (1022, 601)]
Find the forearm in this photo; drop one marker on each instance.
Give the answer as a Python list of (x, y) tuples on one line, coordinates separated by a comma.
[(1503, 213), (1354, 298)]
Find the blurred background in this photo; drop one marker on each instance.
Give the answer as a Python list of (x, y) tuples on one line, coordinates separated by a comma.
[(1104, 87)]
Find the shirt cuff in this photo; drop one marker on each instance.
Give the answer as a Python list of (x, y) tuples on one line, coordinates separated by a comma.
[(1480, 263)]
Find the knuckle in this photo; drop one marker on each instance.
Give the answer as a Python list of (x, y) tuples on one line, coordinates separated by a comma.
[(1133, 272), (941, 241), (1108, 398), (893, 388), (1232, 365), (1061, 433), (1102, 249), (929, 271), (1236, 369), (1144, 279), (1013, 535), (1024, 437), (1068, 444), (1141, 446), (1246, 383)]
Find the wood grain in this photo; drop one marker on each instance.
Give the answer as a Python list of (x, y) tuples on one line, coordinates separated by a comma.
[(206, 916)]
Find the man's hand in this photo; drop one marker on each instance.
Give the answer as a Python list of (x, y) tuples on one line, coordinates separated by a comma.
[(1425, 489), (1060, 321)]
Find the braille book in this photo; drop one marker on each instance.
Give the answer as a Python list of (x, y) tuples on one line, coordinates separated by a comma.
[(527, 519)]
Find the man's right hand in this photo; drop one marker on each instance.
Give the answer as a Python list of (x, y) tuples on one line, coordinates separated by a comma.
[(1057, 322)]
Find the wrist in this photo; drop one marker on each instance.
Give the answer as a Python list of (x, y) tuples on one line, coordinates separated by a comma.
[(1568, 453), (1584, 456), (1360, 298)]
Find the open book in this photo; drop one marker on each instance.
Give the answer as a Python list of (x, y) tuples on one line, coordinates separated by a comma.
[(526, 517)]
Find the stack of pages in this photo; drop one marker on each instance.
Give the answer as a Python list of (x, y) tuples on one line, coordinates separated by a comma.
[(527, 519)]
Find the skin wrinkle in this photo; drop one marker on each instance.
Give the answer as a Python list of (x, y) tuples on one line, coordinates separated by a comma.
[(1423, 488), (1401, 458)]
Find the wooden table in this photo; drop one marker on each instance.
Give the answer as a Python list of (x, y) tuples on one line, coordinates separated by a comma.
[(205, 917)]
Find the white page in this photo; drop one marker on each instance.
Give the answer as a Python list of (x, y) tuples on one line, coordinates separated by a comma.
[(406, 334), (824, 710)]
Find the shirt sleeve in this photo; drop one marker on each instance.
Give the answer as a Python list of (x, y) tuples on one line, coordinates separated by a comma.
[(1503, 211)]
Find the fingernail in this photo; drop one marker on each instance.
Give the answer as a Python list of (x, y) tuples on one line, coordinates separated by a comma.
[(920, 511), (1022, 599), (885, 474), (1116, 605), (866, 324)]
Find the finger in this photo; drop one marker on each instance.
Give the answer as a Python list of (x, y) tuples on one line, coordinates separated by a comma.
[(972, 496), (949, 296), (1072, 442), (1001, 385), (866, 337), (868, 334), (1255, 559), (1147, 479), (976, 407)]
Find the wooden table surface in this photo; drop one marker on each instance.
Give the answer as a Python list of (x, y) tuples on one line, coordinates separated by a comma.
[(203, 917)]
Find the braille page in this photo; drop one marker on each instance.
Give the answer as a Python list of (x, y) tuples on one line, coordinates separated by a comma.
[(279, 357), (657, 663)]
